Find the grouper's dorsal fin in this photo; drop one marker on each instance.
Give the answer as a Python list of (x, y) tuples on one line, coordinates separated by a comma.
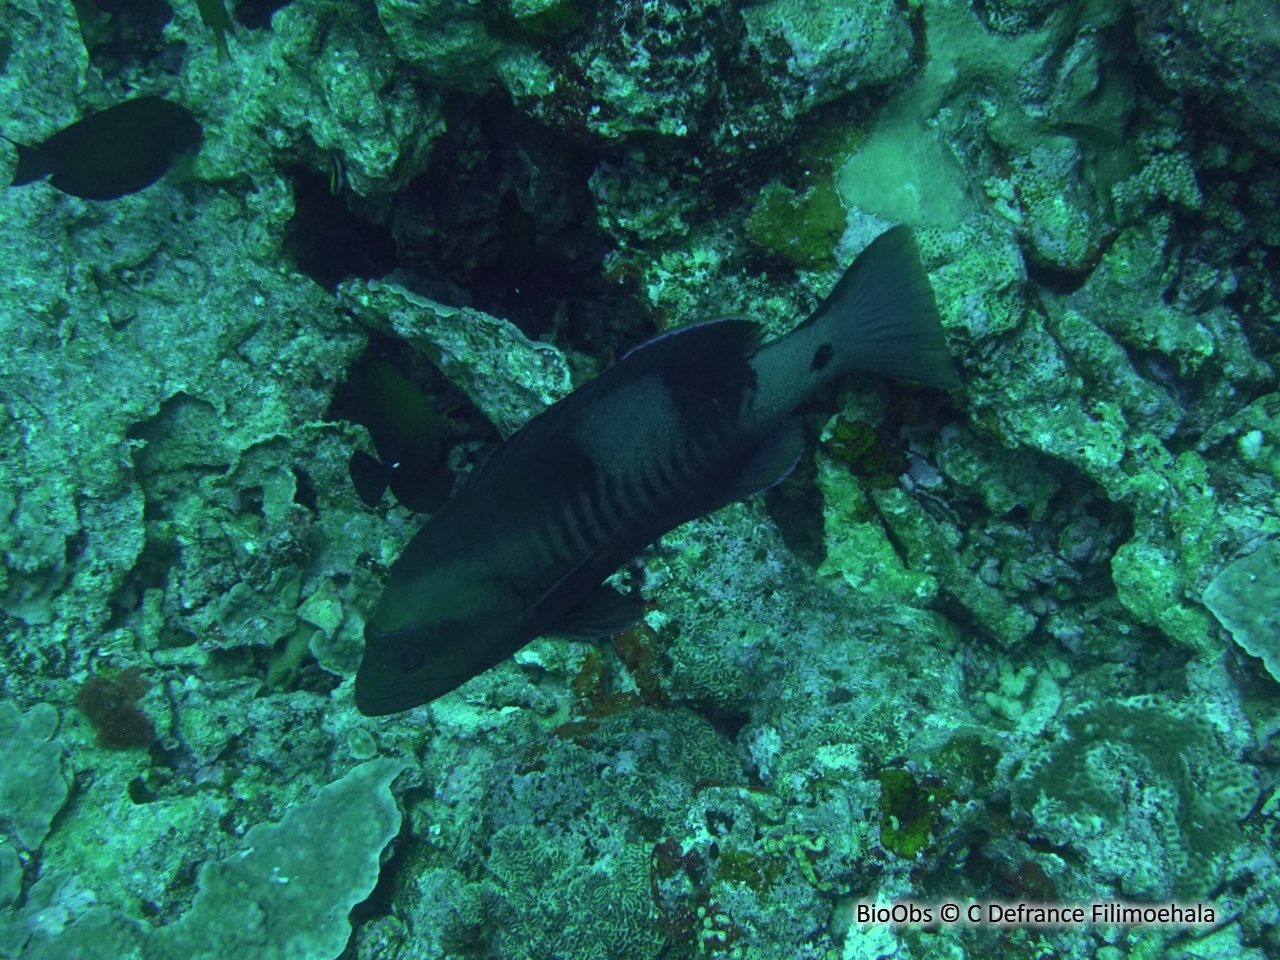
[(682, 357), (704, 365), (697, 344)]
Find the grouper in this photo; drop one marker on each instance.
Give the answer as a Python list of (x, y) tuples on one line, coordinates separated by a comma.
[(692, 420)]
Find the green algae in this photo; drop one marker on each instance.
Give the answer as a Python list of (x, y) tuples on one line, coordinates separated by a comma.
[(910, 811), (801, 228), (857, 445)]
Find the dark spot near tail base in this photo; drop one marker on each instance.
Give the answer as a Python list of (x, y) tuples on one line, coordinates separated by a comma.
[(821, 357)]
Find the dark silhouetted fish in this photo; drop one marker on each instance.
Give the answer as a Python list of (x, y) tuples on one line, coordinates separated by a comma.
[(407, 433), (1089, 134), (121, 150), (680, 426)]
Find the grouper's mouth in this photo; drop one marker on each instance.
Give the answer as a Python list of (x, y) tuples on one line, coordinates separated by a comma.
[(378, 696), (391, 677)]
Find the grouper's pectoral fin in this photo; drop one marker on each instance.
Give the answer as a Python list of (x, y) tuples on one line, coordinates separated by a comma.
[(603, 613), (770, 462)]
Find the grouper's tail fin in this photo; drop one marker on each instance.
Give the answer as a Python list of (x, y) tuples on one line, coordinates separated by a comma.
[(886, 317)]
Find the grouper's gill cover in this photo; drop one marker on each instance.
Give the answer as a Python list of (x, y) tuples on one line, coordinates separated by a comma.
[(682, 425)]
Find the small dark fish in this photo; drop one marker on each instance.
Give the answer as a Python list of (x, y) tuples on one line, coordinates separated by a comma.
[(407, 433), (680, 426), (120, 150), (1089, 134), (213, 13)]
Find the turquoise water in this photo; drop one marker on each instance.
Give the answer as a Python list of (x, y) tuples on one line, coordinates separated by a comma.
[(1014, 643)]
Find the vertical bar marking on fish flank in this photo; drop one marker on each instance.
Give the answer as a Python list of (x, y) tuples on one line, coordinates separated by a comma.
[(643, 495), (572, 526), (597, 530)]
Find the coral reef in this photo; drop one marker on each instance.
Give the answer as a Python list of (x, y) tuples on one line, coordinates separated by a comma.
[(1139, 774), (268, 898), (1015, 643), (1222, 53)]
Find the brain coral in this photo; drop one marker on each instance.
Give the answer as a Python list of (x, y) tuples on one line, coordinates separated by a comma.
[(1144, 788)]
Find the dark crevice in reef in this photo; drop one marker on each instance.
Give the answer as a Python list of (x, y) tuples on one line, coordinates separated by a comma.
[(504, 212), (502, 219), (127, 36), (796, 507), (327, 240), (257, 14)]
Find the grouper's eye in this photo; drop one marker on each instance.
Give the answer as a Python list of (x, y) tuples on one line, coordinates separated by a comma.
[(407, 654)]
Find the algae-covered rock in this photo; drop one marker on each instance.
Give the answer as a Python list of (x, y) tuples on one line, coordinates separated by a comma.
[(44, 67), (1128, 777), (509, 377), (1224, 53), (10, 876), (1245, 597), (33, 786), (803, 229), (277, 895), (831, 48), (650, 763), (340, 101)]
